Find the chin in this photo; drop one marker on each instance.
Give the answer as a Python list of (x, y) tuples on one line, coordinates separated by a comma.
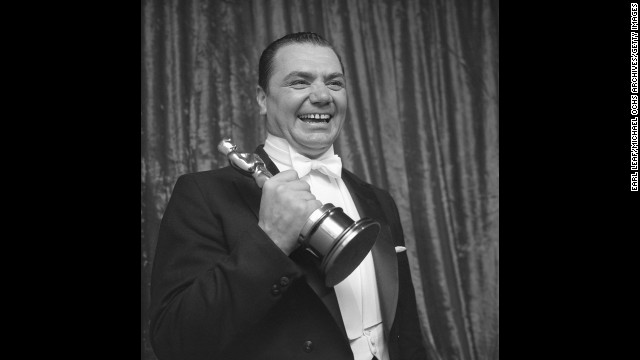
[(313, 148), (318, 144)]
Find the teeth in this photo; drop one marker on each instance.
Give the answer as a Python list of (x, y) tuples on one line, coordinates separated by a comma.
[(315, 116)]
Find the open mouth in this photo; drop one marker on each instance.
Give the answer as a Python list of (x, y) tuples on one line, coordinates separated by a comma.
[(315, 118)]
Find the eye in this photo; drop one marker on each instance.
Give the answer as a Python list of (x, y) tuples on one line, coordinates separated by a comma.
[(335, 85), (299, 84)]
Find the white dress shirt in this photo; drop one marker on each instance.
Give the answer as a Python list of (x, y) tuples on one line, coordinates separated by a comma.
[(358, 293)]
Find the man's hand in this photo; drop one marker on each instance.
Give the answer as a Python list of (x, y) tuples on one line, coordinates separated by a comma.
[(286, 205)]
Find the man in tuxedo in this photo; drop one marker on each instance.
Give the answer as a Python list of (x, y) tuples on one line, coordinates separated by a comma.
[(230, 280)]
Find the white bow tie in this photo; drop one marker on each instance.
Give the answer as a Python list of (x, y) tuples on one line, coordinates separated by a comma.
[(330, 166)]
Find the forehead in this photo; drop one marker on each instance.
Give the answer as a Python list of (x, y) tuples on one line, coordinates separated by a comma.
[(307, 58)]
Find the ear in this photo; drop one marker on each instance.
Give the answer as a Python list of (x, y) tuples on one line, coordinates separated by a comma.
[(261, 97)]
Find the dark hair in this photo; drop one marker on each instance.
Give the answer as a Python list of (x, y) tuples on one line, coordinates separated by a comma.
[(265, 67)]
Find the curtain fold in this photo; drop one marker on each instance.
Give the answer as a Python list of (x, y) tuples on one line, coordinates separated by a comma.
[(422, 82)]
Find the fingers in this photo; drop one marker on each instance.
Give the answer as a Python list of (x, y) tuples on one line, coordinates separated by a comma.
[(286, 180), (287, 175), (286, 204)]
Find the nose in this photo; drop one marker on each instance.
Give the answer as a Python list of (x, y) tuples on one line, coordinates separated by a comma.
[(320, 95)]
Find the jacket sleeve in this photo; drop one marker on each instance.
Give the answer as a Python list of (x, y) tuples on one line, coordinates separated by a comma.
[(213, 275)]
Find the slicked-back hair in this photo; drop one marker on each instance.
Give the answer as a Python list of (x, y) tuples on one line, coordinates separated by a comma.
[(265, 67)]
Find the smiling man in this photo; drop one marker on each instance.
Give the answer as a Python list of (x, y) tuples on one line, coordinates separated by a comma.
[(305, 99), (230, 280)]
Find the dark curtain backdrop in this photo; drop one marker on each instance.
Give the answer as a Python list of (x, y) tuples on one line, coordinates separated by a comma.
[(422, 82)]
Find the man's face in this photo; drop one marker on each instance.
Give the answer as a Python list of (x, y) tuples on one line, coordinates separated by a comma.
[(307, 100)]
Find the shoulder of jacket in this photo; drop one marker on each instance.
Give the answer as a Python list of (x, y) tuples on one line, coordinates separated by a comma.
[(226, 172), (210, 178), (363, 183)]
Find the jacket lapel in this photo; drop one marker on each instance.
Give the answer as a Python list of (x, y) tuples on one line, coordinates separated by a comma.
[(383, 251), (273, 169)]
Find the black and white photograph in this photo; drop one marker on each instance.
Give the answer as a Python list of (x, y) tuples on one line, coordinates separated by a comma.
[(320, 179)]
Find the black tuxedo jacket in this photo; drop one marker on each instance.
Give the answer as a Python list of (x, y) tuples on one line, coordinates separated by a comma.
[(221, 289)]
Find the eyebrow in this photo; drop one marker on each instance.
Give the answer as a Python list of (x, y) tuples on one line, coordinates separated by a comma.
[(308, 75)]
